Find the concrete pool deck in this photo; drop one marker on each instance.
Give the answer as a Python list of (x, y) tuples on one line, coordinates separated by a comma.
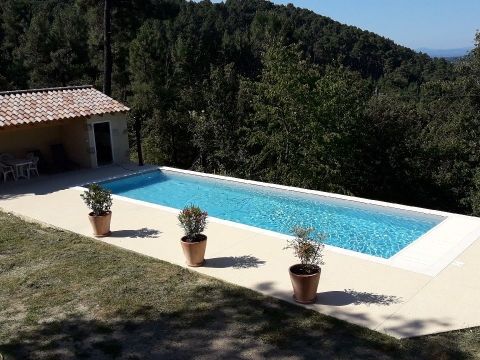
[(379, 296)]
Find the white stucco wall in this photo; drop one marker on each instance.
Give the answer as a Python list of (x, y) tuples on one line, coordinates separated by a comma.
[(119, 134)]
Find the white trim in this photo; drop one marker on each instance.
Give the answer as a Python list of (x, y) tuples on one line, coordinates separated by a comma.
[(111, 140), (427, 255)]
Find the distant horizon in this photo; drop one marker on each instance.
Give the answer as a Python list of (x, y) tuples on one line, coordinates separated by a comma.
[(445, 53), (430, 24)]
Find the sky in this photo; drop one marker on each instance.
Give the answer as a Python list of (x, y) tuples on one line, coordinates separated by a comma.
[(436, 24)]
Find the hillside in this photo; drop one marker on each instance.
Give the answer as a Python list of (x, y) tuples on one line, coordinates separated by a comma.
[(267, 92), (40, 49)]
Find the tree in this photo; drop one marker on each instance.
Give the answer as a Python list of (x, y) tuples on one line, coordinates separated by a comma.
[(149, 54), (282, 102), (54, 48), (107, 47), (301, 125), (217, 123)]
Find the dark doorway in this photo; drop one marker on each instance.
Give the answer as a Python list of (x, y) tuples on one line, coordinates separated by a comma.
[(103, 143)]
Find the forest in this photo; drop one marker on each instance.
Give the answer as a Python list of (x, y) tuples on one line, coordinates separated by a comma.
[(266, 92)]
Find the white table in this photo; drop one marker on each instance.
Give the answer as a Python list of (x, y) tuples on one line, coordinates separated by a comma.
[(20, 166)]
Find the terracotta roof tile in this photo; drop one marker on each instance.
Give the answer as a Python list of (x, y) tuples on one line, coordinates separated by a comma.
[(29, 106)]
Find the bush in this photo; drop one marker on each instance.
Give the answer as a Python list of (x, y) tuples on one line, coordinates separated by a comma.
[(98, 199), (307, 249), (193, 221)]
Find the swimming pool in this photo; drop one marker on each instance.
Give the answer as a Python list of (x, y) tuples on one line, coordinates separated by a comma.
[(369, 229)]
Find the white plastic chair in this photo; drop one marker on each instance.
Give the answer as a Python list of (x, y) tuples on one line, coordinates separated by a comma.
[(6, 170), (6, 156), (33, 166)]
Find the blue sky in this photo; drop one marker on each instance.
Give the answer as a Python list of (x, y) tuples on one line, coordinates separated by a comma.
[(439, 24)]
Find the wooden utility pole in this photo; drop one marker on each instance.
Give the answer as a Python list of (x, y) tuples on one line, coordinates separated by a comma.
[(107, 48)]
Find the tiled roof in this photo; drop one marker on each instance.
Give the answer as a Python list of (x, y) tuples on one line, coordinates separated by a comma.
[(43, 105)]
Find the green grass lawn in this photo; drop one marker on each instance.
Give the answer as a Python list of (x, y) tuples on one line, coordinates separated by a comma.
[(66, 296)]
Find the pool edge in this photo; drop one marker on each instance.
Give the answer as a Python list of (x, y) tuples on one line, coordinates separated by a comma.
[(402, 259)]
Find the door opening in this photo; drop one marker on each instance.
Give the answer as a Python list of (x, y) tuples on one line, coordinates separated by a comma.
[(103, 143)]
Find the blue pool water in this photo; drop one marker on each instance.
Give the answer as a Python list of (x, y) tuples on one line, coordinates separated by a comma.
[(368, 229)]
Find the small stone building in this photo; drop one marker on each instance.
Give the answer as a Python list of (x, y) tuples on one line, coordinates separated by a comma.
[(87, 126)]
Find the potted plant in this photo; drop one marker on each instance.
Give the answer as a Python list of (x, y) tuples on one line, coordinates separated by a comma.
[(306, 275), (193, 221), (99, 200)]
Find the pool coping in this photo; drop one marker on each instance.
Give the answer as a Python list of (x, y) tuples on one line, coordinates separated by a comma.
[(428, 255)]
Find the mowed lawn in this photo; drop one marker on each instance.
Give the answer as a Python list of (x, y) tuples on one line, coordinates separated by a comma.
[(69, 297)]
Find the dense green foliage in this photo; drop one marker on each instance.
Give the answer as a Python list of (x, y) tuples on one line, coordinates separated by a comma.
[(308, 249), (98, 199), (272, 93), (193, 221)]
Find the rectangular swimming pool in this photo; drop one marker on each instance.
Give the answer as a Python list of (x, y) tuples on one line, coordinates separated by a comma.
[(370, 229)]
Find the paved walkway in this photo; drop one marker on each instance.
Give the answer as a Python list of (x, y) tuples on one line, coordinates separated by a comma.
[(397, 302)]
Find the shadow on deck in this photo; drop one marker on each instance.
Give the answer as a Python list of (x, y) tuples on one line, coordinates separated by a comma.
[(47, 184)]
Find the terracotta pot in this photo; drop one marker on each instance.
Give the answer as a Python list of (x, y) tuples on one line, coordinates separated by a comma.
[(304, 286), (194, 251), (101, 224)]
